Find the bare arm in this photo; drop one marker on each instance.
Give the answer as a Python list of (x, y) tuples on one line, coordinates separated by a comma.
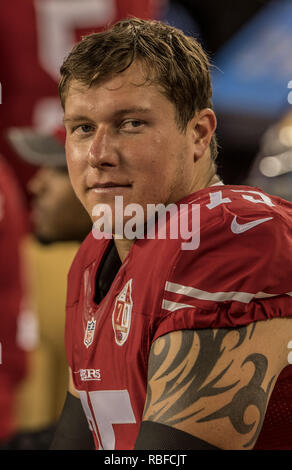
[(215, 384)]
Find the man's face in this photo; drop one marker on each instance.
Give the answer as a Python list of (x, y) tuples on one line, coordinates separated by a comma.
[(57, 215), (123, 140)]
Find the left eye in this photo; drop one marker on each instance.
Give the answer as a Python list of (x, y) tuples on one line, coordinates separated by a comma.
[(131, 124)]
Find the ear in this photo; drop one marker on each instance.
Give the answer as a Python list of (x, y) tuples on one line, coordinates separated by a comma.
[(203, 126)]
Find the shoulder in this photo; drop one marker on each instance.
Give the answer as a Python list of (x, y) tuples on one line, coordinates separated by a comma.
[(241, 269), (220, 205), (226, 237), (240, 224)]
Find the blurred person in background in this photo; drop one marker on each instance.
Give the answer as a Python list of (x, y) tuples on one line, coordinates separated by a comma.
[(59, 225), (13, 356), (272, 167)]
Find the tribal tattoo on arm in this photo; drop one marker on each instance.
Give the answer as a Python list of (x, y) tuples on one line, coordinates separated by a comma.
[(213, 384)]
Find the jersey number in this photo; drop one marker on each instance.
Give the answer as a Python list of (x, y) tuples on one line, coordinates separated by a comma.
[(108, 407), (216, 198)]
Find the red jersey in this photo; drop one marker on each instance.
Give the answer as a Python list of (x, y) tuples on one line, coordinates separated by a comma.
[(12, 356), (232, 275)]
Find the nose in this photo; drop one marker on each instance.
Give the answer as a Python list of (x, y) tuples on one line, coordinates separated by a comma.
[(102, 152)]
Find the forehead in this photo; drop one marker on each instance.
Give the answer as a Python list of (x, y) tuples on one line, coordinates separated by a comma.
[(131, 87)]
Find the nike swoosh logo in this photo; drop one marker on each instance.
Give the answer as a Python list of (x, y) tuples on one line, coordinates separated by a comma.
[(240, 228)]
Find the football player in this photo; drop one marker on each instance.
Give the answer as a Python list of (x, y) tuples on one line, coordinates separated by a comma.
[(168, 347)]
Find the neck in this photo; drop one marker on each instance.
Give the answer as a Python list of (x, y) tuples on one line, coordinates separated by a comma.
[(123, 247), (214, 180), (205, 176)]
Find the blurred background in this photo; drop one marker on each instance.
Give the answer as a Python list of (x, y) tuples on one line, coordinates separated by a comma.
[(249, 45)]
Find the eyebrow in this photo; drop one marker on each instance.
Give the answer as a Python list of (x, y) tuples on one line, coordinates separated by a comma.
[(75, 118), (116, 114), (133, 109)]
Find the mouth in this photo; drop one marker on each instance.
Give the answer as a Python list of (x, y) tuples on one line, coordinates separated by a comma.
[(108, 187)]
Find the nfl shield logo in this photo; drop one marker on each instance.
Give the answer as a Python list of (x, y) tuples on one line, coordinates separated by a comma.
[(89, 332), (122, 314)]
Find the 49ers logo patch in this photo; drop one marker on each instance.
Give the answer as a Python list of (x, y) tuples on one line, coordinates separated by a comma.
[(122, 314)]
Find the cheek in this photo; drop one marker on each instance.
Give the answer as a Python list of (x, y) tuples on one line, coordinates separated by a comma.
[(75, 153), (160, 166), (77, 184), (75, 169), (151, 158), (73, 173)]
